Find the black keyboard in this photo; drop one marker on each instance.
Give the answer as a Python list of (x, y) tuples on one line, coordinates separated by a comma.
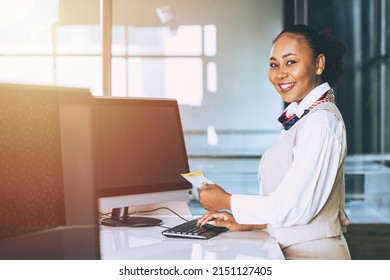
[(190, 229)]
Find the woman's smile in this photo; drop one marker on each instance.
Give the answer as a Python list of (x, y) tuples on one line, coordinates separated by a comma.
[(285, 87)]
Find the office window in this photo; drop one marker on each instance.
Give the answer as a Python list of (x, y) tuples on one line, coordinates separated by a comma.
[(363, 93), (78, 57), (38, 45), (209, 55), (178, 78), (79, 71), (163, 61), (363, 96), (158, 59), (78, 39), (376, 76), (28, 69), (184, 40), (26, 42)]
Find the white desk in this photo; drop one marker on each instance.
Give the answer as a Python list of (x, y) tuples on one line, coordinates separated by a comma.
[(149, 244)]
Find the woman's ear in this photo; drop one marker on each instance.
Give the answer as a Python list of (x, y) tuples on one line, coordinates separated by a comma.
[(320, 64)]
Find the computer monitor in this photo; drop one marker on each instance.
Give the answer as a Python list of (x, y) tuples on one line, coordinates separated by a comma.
[(139, 153)]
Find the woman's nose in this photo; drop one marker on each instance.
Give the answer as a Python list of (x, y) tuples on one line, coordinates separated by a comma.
[(281, 74)]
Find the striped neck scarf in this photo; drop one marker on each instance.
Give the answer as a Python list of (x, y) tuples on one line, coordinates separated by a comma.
[(288, 122)]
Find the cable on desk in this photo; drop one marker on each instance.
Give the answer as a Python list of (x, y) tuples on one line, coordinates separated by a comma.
[(104, 215), (159, 208)]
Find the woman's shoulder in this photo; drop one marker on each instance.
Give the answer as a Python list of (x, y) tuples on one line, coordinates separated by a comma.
[(325, 116), (326, 110)]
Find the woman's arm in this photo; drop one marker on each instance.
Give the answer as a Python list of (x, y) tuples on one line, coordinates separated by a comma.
[(307, 183)]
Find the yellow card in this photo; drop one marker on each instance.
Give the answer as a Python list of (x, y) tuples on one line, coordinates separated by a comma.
[(196, 178)]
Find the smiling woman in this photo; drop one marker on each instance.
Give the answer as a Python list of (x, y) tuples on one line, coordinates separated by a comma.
[(301, 196)]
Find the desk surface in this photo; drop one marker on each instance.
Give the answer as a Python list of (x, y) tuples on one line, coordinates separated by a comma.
[(148, 243), (60, 243)]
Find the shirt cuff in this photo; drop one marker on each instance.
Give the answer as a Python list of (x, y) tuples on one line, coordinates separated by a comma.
[(242, 210)]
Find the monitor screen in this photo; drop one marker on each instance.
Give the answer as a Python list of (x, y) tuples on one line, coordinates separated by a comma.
[(139, 152)]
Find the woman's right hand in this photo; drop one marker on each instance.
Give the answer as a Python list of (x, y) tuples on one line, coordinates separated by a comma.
[(219, 219), (225, 219), (213, 197)]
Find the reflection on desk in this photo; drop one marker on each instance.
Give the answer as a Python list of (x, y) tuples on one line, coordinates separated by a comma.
[(60, 243), (150, 244)]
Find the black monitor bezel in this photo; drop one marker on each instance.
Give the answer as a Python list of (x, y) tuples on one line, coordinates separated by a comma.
[(150, 188)]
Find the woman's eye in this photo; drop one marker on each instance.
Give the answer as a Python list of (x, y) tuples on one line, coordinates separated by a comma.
[(290, 62), (272, 65)]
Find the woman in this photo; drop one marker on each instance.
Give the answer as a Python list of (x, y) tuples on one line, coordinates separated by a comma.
[(301, 176)]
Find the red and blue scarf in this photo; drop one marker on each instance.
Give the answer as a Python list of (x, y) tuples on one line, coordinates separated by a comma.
[(288, 122)]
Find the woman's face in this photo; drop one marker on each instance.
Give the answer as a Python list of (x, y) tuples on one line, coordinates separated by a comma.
[(293, 71)]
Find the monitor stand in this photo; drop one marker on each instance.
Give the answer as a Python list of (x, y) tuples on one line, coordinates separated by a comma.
[(120, 218)]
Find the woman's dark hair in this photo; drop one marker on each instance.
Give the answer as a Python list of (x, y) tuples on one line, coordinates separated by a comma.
[(322, 43)]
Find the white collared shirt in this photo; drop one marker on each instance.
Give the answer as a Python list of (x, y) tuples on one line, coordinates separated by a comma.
[(304, 189), (307, 101)]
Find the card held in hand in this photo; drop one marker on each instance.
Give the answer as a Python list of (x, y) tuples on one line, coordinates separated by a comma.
[(197, 178)]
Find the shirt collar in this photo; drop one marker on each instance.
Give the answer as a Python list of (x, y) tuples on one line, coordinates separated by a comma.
[(307, 101)]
